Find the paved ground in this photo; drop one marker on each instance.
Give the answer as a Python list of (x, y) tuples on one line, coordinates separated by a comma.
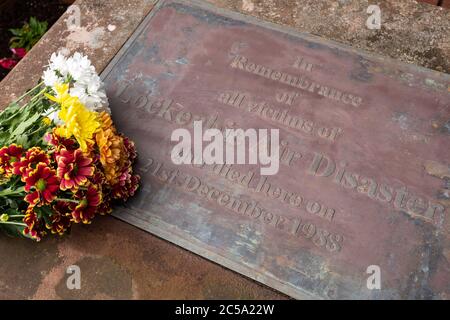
[(412, 32), (121, 261)]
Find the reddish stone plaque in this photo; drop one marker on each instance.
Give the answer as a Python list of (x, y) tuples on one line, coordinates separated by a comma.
[(359, 206)]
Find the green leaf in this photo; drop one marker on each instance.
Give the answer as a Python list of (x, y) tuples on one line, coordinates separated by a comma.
[(12, 229), (8, 113), (28, 34), (16, 32), (22, 140), (12, 204), (44, 212), (33, 22), (8, 192), (24, 125)]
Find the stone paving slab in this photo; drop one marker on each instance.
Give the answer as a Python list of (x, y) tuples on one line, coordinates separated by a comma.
[(412, 32), (120, 261)]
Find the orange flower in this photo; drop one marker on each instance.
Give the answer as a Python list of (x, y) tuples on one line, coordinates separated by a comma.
[(112, 149)]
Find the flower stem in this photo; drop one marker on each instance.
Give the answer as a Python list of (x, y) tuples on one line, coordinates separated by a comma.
[(9, 192), (67, 200), (36, 131), (28, 92), (38, 95), (14, 223)]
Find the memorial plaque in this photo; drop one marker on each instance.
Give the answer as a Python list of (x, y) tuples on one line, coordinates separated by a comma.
[(359, 206)]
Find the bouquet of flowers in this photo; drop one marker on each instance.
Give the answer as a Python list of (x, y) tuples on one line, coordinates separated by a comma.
[(62, 161)]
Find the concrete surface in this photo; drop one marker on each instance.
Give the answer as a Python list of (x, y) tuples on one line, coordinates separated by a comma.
[(413, 32), (117, 261), (120, 261)]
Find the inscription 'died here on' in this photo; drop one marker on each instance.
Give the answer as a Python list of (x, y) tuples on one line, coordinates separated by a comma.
[(346, 169)]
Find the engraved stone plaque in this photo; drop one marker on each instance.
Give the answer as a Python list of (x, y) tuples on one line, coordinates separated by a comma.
[(359, 206)]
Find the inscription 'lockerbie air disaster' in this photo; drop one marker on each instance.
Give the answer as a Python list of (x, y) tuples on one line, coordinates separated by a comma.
[(359, 177)]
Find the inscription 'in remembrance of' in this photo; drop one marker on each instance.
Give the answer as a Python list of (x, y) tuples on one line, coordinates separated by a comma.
[(300, 82)]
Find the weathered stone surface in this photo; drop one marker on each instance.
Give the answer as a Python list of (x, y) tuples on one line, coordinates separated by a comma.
[(163, 270), (412, 32), (117, 261)]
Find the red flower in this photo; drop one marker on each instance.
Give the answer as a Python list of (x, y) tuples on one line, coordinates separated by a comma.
[(9, 155), (34, 227), (59, 224), (130, 148), (73, 168), (99, 178), (27, 163), (64, 208), (44, 183), (90, 200), (7, 63), (60, 142), (127, 185), (19, 52), (105, 207)]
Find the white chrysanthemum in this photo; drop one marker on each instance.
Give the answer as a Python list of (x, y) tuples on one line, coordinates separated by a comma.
[(81, 69), (58, 62), (90, 94), (50, 78), (53, 115), (85, 82)]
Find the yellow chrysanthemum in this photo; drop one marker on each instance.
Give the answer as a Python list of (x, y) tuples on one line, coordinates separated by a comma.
[(63, 98), (79, 122), (46, 121)]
